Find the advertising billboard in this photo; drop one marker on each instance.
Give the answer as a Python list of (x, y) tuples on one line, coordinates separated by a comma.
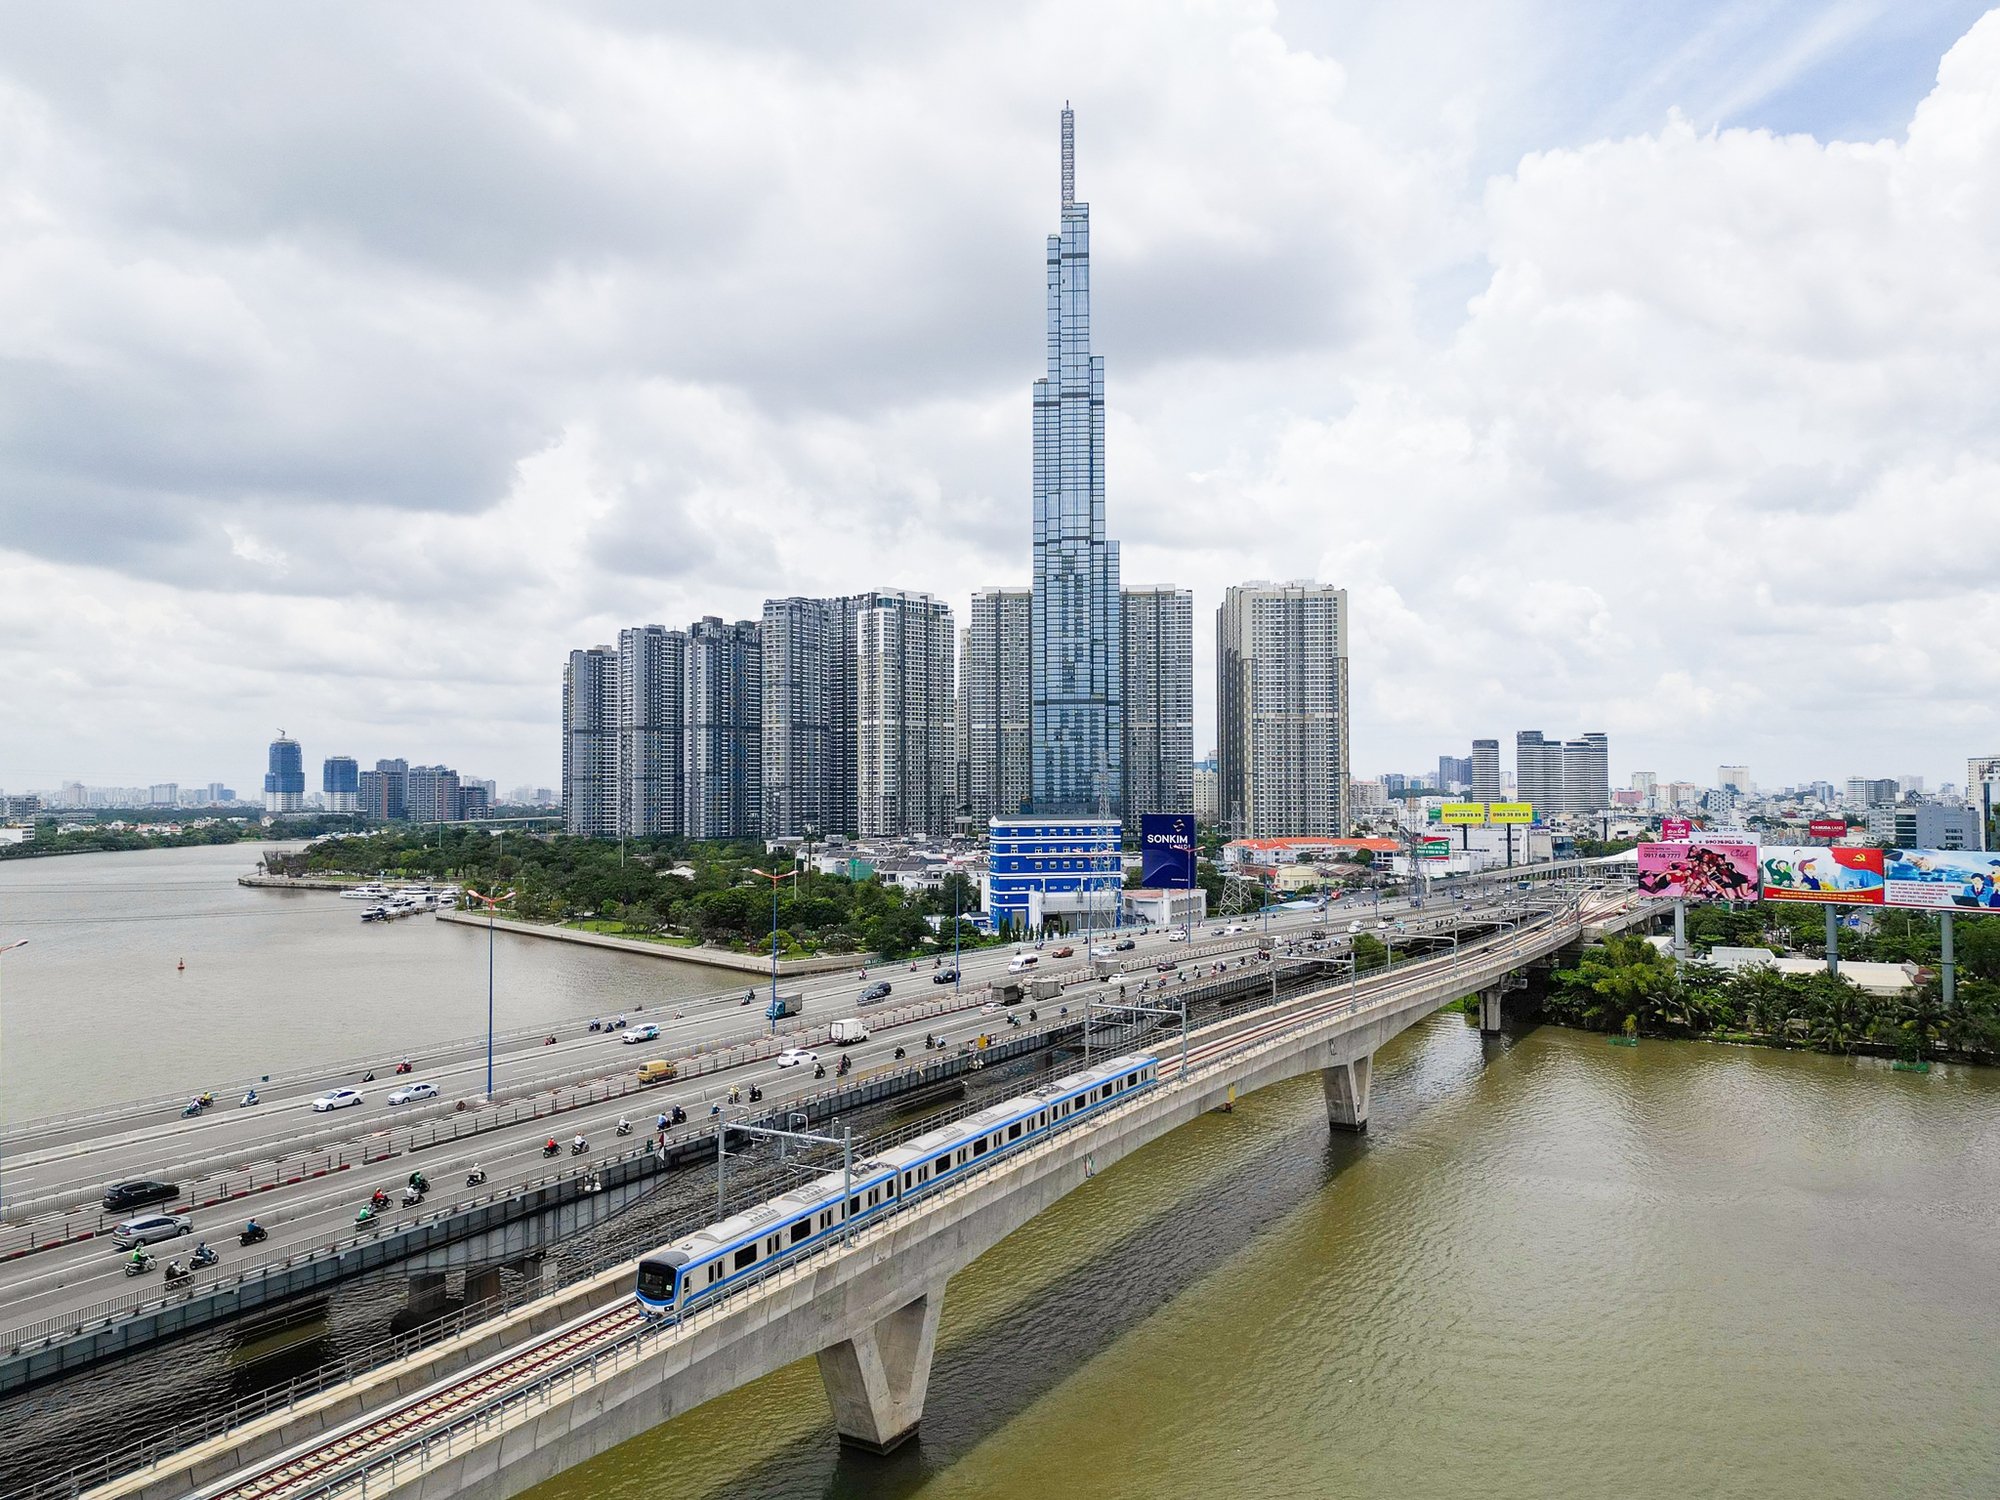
[(1699, 872), (1166, 843), (1944, 879), (1434, 848), (1813, 872), (1464, 813), (1827, 828), (1510, 812), (1676, 830)]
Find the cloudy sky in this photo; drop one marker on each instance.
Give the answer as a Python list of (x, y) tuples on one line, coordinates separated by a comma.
[(1631, 365)]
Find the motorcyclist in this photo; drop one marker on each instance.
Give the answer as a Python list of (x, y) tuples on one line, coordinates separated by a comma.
[(624, 1126), (549, 1147), (251, 1097), (660, 1122), (579, 1144), (252, 1229), (139, 1256)]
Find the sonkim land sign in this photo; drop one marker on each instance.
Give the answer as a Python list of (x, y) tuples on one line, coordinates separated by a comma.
[(1166, 841)]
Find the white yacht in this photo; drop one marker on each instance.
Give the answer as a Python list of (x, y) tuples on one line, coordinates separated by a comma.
[(374, 890)]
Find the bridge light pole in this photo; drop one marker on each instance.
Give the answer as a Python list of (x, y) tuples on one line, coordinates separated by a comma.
[(774, 879), (10, 947), (489, 902)]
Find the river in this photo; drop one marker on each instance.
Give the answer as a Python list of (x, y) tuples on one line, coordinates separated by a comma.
[(97, 1010), (1553, 1267)]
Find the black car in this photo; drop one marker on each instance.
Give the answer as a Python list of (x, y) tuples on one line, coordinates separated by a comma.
[(1125, 945), (123, 1195), (945, 976), (876, 991)]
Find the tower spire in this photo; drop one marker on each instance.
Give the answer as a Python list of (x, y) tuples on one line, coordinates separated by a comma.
[(1069, 155)]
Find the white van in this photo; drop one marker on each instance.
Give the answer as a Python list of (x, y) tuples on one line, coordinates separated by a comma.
[(847, 1033), (1022, 962)]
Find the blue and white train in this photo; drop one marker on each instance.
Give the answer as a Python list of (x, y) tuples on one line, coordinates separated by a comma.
[(709, 1262)]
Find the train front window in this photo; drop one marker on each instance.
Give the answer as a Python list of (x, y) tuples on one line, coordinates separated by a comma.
[(656, 1281)]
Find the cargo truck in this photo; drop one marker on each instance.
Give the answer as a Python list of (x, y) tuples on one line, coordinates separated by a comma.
[(783, 1005), (847, 1033)]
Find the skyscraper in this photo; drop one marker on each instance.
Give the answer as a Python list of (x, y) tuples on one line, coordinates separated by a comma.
[(904, 679), (590, 743), (809, 713), (996, 678), (1158, 677), (652, 744), (1486, 771), (1282, 709), (433, 795), (340, 783), (1538, 772), (285, 780), (382, 790), (1454, 771), (1077, 656), (1587, 774), (725, 731)]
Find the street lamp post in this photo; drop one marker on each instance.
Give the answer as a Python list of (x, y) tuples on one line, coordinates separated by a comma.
[(774, 879), (9, 948), (489, 902)]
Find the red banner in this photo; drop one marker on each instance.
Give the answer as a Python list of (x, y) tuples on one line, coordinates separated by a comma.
[(1674, 830), (1827, 828), (1834, 877)]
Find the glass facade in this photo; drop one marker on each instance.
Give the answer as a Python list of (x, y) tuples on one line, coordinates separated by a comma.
[(285, 780), (1077, 623)]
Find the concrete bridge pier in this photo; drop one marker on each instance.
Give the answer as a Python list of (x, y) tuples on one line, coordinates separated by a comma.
[(1346, 1085), (876, 1380), (1489, 1010), (427, 1294)]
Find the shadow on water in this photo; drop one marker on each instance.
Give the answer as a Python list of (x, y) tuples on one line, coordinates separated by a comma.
[(981, 1383)]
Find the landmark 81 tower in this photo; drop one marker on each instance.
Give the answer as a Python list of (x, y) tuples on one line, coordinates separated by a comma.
[(1078, 701)]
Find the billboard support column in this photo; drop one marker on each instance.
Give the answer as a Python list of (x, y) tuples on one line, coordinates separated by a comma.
[(1680, 932), (1832, 942), (1950, 977)]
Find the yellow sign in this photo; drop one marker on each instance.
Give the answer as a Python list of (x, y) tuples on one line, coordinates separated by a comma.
[(1510, 812), (1472, 813)]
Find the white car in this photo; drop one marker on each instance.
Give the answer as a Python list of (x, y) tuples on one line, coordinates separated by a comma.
[(1177, 937), (410, 1093), (646, 1033), (338, 1099), (794, 1057), (1102, 950), (150, 1229)]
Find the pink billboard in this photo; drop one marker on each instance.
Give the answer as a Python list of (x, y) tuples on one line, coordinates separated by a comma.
[(1699, 872), (1676, 830)]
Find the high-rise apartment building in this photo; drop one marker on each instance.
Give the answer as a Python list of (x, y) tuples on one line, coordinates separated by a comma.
[(996, 677), (1871, 791), (1207, 795), (810, 714), (1077, 703), (1282, 709), (1538, 772), (432, 795), (1158, 677), (1587, 774), (340, 783), (652, 743), (1486, 784), (905, 673), (1735, 778), (382, 791), (285, 777), (1454, 771), (590, 743), (725, 730)]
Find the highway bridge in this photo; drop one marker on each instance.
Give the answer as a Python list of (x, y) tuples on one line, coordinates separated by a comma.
[(562, 1377)]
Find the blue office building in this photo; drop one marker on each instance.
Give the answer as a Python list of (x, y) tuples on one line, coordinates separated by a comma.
[(285, 781), (1059, 870), (340, 783), (1077, 626)]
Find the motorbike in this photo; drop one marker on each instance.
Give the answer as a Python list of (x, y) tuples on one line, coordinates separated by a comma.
[(755, 1093), (624, 1127), (420, 1182), (412, 1196), (551, 1149), (845, 1063), (474, 1177), (140, 1266), (899, 1054), (203, 1256), (578, 1147), (256, 1234), (596, 1025), (819, 1070), (205, 1100), (1033, 1017), (380, 1201), (176, 1272), (193, 1109), (248, 1099), (680, 1115), (405, 1067), (549, 1042), (367, 1213)]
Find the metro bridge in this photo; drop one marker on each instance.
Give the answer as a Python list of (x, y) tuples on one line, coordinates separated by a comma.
[(561, 1379)]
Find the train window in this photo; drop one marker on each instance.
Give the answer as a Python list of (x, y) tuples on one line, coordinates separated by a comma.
[(774, 1244), (714, 1272), (1132, 1080), (1014, 1131), (802, 1229), (874, 1195), (747, 1256), (908, 1178), (979, 1146), (656, 1281)]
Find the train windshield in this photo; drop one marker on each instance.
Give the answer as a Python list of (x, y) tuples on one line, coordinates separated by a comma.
[(656, 1281)]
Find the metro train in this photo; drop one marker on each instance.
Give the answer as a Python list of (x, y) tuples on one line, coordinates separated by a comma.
[(705, 1265)]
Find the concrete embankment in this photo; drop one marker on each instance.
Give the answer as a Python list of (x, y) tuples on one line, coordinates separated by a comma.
[(714, 958)]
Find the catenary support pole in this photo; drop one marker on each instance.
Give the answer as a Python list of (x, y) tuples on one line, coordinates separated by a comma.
[(1681, 931), (1950, 976), (1832, 942)]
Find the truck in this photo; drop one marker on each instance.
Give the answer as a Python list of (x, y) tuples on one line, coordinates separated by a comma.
[(847, 1033), (783, 1005), (659, 1070)]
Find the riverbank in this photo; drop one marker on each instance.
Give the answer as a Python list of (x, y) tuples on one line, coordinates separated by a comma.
[(714, 958)]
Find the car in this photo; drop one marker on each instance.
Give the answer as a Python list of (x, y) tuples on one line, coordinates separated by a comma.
[(646, 1033), (1177, 937), (137, 1194), (1166, 966), (1232, 929), (794, 1057), (410, 1093), (1065, 951), (991, 1008), (150, 1229), (945, 976), (1125, 945), (338, 1099), (1102, 950), (879, 990)]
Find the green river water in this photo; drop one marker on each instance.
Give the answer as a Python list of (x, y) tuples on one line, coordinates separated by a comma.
[(1553, 1267)]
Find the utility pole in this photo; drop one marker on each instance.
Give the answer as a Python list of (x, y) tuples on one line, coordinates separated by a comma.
[(774, 879), (490, 902), (23, 942)]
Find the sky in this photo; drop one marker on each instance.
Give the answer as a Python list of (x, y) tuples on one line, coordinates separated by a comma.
[(1632, 366)]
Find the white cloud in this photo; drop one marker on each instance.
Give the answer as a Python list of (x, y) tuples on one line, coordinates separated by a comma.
[(348, 379)]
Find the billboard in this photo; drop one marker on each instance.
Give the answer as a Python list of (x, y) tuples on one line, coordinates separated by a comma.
[(1676, 830), (1944, 879), (1827, 828), (1166, 843), (1813, 872), (1510, 812), (1464, 813), (1434, 848), (1699, 872)]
